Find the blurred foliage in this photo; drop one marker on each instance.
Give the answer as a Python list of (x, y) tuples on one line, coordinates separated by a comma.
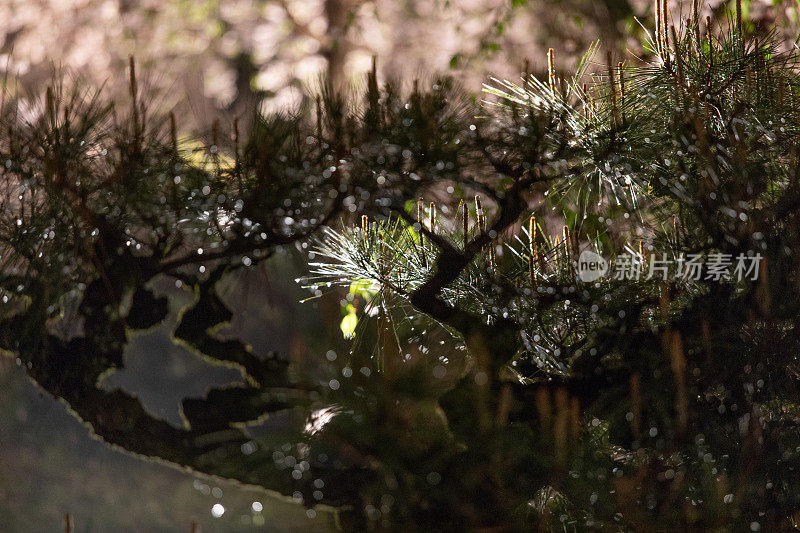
[(225, 55)]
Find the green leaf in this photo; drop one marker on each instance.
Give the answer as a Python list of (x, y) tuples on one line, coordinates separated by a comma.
[(349, 323), (363, 288)]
